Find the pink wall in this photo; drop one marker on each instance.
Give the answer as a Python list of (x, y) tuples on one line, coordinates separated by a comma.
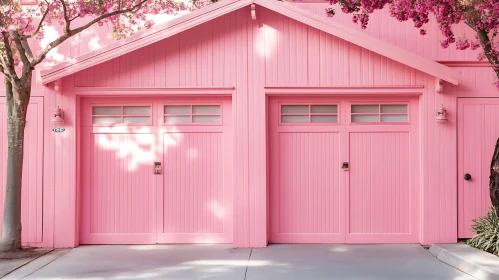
[(381, 26), (403, 34), (32, 192), (234, 50)]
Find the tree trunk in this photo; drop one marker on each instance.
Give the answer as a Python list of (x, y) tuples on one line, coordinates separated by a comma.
[(494, 179), (17, 94)]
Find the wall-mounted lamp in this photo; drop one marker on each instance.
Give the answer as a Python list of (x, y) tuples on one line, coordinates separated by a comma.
[(58, 116), (441, 114)]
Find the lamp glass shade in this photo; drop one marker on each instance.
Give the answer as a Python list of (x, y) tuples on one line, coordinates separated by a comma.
[(57, 119), (441, 114), (441, 118)]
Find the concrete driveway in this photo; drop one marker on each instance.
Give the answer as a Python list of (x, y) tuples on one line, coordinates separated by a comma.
[(187, 262)]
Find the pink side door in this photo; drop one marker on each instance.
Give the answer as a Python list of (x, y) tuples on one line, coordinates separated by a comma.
[(478, 131), (194, 201), (32, 191)]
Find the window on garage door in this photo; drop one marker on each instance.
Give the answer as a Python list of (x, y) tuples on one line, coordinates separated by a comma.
[(379, 113), (124, 115), (193, 114), (309, 113)]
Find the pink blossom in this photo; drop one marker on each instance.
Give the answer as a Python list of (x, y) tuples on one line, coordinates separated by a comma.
[(481, 15), (23, 21)]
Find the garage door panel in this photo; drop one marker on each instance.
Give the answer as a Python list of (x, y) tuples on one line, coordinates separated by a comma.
[(193, 184), (125, 201), (316, 198), (307, 199), (380, 186), (120, 189)]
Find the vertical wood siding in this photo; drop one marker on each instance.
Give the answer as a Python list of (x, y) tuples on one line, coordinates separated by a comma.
[(117, 189), (193, 188), (32, 191), (307, 197), (439, 143), (478, 130), (235, 51), (402, 34), (120, 187), (380, 194), (215, 53)]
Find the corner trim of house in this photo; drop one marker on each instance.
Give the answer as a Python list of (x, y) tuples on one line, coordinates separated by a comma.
[(190, 91)]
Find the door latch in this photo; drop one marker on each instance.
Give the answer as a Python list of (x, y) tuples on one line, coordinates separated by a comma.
[(344, 166), (157, 167)]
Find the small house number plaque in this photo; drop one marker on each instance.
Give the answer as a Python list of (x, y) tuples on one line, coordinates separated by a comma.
[(58, 129)]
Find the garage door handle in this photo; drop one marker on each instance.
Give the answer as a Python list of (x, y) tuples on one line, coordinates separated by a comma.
[(467, 176), (157, 167), (345, 166)]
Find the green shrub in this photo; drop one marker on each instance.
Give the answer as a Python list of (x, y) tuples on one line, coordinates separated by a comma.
[(487, 233)]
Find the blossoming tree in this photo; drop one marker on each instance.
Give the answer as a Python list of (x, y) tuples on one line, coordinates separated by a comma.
[(482, 16), (21, 28)]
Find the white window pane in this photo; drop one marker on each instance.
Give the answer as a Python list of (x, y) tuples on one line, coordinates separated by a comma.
[(294, 109), (133, 120), (206, 109), (136, 110), (365, 108), (395, 108), (365, 118), (294, 119), (394, 118), (177, 119), (106, 120), (324, 109), (325, 119), (106, 110), (178, 109), (206, 119)]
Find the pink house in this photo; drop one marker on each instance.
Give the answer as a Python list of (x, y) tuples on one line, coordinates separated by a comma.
[(257, 121)]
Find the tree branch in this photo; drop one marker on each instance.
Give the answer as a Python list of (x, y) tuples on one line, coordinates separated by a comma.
[(66, 17), (20, 49), (67, 35), (487, 48), (8, 60), (40, 24), (75, 17), (27, 48)]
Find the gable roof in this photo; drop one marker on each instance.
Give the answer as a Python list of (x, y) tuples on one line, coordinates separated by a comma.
[(182, 23)]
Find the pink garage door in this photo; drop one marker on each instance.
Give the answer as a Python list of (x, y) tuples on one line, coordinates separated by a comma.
[(343, 171), (156, 171), (478, 130), (32, 190)]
